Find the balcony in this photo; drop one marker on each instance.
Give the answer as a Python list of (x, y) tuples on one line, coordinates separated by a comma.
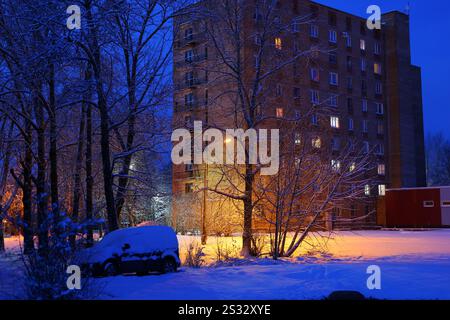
[(190, 83), (192, 61), (191, 40)]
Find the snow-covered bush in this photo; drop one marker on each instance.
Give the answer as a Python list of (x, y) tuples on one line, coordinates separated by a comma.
[(226, 251), (46, 269), (258, 245), (194, 255)]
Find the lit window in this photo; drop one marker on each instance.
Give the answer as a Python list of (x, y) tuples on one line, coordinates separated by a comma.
[(332, 36), (367, 190), (350, 124), (316, 142), (334, 78), (278, 43), (362, 44), (314, 96), (377, 68), (380, 108), (298, 139), (280, 112), (381, 189), (381, 169), (335, 165), (315, 75), (352, 167), (334, 122), (314, 31)]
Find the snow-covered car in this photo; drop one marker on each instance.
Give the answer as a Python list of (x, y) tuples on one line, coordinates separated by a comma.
[(134, 250)]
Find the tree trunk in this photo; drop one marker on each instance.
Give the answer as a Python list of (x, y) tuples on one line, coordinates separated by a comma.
[(77, 175), (4, 178), (27, 228), (89, 179), (41, 192), (53, 152), (248, 212), (104, 122), (123, 179)]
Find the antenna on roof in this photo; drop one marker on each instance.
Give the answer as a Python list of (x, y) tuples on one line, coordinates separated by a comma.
[(408, 8)]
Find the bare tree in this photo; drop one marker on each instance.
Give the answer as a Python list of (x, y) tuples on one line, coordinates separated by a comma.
[(438, 160), (239, 75)]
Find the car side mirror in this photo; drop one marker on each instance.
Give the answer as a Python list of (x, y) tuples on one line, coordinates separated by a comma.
[(126, 246)]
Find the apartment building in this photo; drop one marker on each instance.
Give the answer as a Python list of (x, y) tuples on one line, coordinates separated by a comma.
[(364, 76)]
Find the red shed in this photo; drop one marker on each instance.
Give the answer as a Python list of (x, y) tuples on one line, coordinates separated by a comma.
[(416, 208)]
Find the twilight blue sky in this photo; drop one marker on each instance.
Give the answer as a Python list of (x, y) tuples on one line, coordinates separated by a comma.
[(430, 49)]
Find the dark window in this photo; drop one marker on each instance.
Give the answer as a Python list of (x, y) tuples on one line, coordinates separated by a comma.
[(188, 34), (349, 63), (377, 34), (362, 27), (332, 57), (353, 211), (332, 19), (364, 87), (188, 188), (295, 6), (314, 11), (348, 24), (350, 105), (349, 83)]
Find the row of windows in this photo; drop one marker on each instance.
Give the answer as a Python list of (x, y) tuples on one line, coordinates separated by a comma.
[(335, 123), (332, 38), (189, 187), (316, 142), (314, 13), (333, 79), (332, 101)]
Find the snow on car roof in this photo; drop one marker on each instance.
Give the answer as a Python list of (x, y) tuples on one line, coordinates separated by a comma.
[(141, 238)]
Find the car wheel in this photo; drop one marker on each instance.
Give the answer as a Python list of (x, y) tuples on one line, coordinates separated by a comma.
[(110, 269), (169, 265)]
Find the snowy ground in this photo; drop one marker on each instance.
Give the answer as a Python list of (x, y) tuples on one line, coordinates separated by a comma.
[(414, 265), (11, 286)]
